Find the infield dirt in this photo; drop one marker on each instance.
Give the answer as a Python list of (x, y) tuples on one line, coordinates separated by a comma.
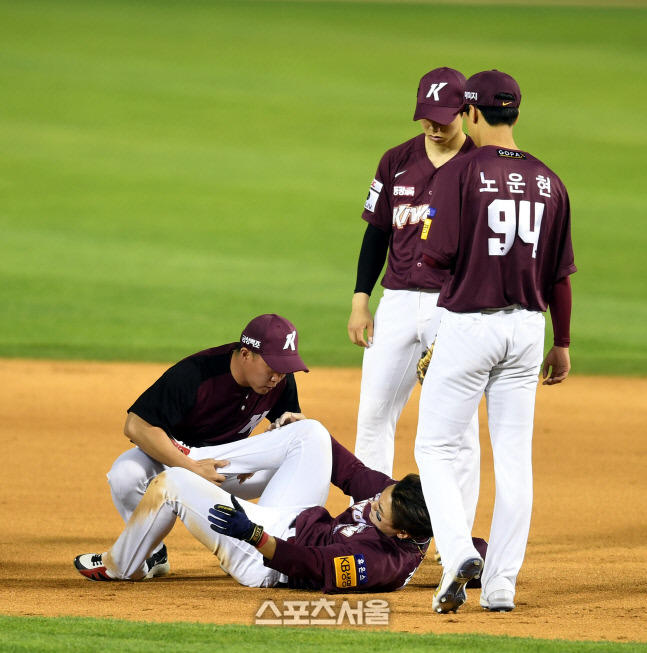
[(584, 577)]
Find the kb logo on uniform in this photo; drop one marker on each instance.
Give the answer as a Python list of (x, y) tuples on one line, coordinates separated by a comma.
[(289, 341), (434, 90)]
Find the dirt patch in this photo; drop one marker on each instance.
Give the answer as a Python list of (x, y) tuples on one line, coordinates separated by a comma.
[(583, 578)]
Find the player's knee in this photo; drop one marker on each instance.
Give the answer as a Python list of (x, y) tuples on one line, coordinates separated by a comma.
[(318, 433), (129, 477), (374, 411)]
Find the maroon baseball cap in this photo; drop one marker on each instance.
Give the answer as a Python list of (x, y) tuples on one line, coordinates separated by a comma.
[(276, 340), (440, 95), (481, 89)]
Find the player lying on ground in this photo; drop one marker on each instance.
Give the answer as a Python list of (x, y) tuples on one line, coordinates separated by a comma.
[(375, 545)]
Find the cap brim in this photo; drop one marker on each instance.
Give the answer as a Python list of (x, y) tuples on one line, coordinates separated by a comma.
[(441, 115), (285, 364)]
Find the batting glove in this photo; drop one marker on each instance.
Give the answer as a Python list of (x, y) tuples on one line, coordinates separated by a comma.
[(234, 523)]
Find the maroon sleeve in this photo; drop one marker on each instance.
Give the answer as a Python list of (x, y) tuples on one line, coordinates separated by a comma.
[(297, 561), (560, 312), (353, 477), (362, 566), (377, 209)]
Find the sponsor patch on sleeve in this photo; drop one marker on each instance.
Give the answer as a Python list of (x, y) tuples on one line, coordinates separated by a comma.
[(510, 154), (350, 571), (373, 195)]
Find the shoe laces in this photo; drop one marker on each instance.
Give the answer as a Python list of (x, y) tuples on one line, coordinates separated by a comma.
[(96, 560)]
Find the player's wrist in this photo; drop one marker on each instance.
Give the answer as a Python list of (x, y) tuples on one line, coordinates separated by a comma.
[(360, 300), (263, 539)]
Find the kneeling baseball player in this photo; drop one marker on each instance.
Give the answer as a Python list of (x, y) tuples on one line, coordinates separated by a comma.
[(288, 537)]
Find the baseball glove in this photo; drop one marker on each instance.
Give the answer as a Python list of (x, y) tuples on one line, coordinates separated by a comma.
[(423, 363)]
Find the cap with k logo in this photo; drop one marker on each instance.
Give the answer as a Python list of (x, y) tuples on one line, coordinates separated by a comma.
[(276, 340)]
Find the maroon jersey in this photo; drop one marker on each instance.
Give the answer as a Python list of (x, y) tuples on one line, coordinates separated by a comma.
[(198, 402), (347, 553), (502, 224), (398, 201)]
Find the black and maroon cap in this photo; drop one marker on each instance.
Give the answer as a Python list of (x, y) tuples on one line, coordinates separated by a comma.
[(481, 89), (276, 340), (440, 95)]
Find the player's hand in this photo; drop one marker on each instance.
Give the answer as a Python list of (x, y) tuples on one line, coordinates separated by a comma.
[(233, 521), (360, 320), (558, 362), (286, 418), (244, 477), (208, 468)]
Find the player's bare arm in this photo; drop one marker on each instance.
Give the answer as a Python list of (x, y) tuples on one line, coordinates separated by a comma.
[(558, 363), (360, 321), (154, 441)]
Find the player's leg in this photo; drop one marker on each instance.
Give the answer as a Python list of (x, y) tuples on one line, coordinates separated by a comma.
[(179, 493), (468, 468), (298, 455), (454, 384), (250, 488), (468, 457), (510, 397), (388, 377), (128, 479)]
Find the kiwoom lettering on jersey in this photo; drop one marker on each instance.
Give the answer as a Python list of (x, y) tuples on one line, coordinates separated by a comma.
[(511, 154), (246, 340), (406, 214)]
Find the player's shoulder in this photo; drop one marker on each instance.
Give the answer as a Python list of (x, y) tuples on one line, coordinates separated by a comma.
[(458, 163), (208, 362), (544, 174), (542, 164), (404, 151)]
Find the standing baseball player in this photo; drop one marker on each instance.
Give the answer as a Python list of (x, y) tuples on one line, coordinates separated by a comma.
[(287, 537), (212, 397), (407, 317), (502, 226)]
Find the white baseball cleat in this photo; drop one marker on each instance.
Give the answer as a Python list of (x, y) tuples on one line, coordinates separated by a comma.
[(498, 601), (91, 566), (451, 594), (158, 564)]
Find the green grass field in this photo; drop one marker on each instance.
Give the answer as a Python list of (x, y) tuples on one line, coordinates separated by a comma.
[(170, 169), (105, 636)]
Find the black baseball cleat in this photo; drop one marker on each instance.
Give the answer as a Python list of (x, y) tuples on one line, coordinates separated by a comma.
[(91, 566), (158, 564)]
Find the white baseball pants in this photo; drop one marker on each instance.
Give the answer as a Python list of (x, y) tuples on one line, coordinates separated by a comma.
[(498, 353), (406, 323), (133, 471), (300, 455)]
